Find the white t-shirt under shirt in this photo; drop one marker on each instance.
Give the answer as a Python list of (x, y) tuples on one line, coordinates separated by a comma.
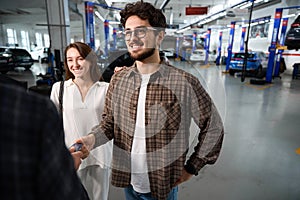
[(139, 169)]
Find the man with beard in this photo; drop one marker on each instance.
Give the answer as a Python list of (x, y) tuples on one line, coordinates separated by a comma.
[(148, 111)]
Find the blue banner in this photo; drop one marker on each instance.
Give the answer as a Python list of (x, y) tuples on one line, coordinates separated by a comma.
[(230, 44), (89, 17), (106, 34), (281, 42), (219, 48), (272, 48), (207, 43), (242, 45)]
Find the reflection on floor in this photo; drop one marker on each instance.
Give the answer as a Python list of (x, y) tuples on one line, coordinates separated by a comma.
[(30, 76)]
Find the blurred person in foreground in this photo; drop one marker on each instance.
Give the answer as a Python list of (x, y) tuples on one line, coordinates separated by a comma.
[(35, 163), (148, 113)]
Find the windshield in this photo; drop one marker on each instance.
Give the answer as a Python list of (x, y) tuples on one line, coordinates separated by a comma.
[(242, 55)]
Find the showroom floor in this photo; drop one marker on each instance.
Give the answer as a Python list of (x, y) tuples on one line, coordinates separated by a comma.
[(260, 158)]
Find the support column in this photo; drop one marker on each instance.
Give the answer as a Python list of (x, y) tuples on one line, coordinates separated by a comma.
[(242, 43), (280, 50), (207, 45), (230, 45), (58, 24), (218, 60), (272, 48)]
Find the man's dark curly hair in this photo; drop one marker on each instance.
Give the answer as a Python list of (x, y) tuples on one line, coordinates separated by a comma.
[(145, 11)]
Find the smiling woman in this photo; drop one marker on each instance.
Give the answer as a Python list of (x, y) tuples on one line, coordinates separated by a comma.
[(81, 106)]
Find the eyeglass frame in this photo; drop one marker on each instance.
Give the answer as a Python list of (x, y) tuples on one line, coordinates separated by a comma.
[(134, 31)]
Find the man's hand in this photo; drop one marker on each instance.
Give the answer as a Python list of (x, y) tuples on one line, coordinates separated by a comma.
[(184, 177), (88, 143), (117, 69)]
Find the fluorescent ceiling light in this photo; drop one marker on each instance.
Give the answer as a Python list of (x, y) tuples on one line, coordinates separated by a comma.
[(99, 16), (258, 1), (185, 29), (288, 16), (246, 6), (114, 22)]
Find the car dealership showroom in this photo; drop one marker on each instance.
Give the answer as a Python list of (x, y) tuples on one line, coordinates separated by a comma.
[(245, 53)]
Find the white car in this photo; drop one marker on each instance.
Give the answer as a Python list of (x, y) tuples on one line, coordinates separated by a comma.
[(169, 53), (39, 53), (199, 56)]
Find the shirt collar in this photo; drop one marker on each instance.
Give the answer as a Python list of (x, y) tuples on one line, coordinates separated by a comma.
[(70, 83)]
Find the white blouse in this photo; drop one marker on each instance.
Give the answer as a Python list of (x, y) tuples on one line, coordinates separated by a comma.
[(80, 117)]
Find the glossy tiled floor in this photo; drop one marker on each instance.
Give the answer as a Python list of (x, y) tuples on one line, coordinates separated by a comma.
[(259, 159), (30, 76)]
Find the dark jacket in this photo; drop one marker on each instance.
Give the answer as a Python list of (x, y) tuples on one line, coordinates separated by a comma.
[(35, 163)]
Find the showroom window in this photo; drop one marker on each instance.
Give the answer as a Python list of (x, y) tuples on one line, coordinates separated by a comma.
[(39, 39), (11, 37), (46, 40), (25, 39)]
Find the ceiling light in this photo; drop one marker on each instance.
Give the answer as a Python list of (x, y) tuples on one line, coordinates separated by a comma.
[(184, 29), (258, 1), (246, 6), (288, 16), (99, 16)]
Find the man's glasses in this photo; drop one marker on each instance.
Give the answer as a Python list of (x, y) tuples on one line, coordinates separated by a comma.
[(138, 32)]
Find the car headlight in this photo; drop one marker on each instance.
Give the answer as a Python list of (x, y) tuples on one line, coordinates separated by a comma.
[(6, 55)]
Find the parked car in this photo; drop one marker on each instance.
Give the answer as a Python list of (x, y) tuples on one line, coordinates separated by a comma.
[(199, 55), (292, 39), (40, 54), (230, 13), (121, 44), (256, 61), (170, 52), (6, 61), (20, 57)]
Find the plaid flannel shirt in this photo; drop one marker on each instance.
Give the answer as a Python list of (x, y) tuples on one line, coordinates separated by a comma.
[(174, 97)]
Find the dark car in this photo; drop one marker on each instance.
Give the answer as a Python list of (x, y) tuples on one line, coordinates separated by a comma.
[(292, 39), (21, 57), (15, 57), (6, 61)]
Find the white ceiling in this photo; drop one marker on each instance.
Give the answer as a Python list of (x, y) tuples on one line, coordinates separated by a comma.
[(33, 12), (176, 8)]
